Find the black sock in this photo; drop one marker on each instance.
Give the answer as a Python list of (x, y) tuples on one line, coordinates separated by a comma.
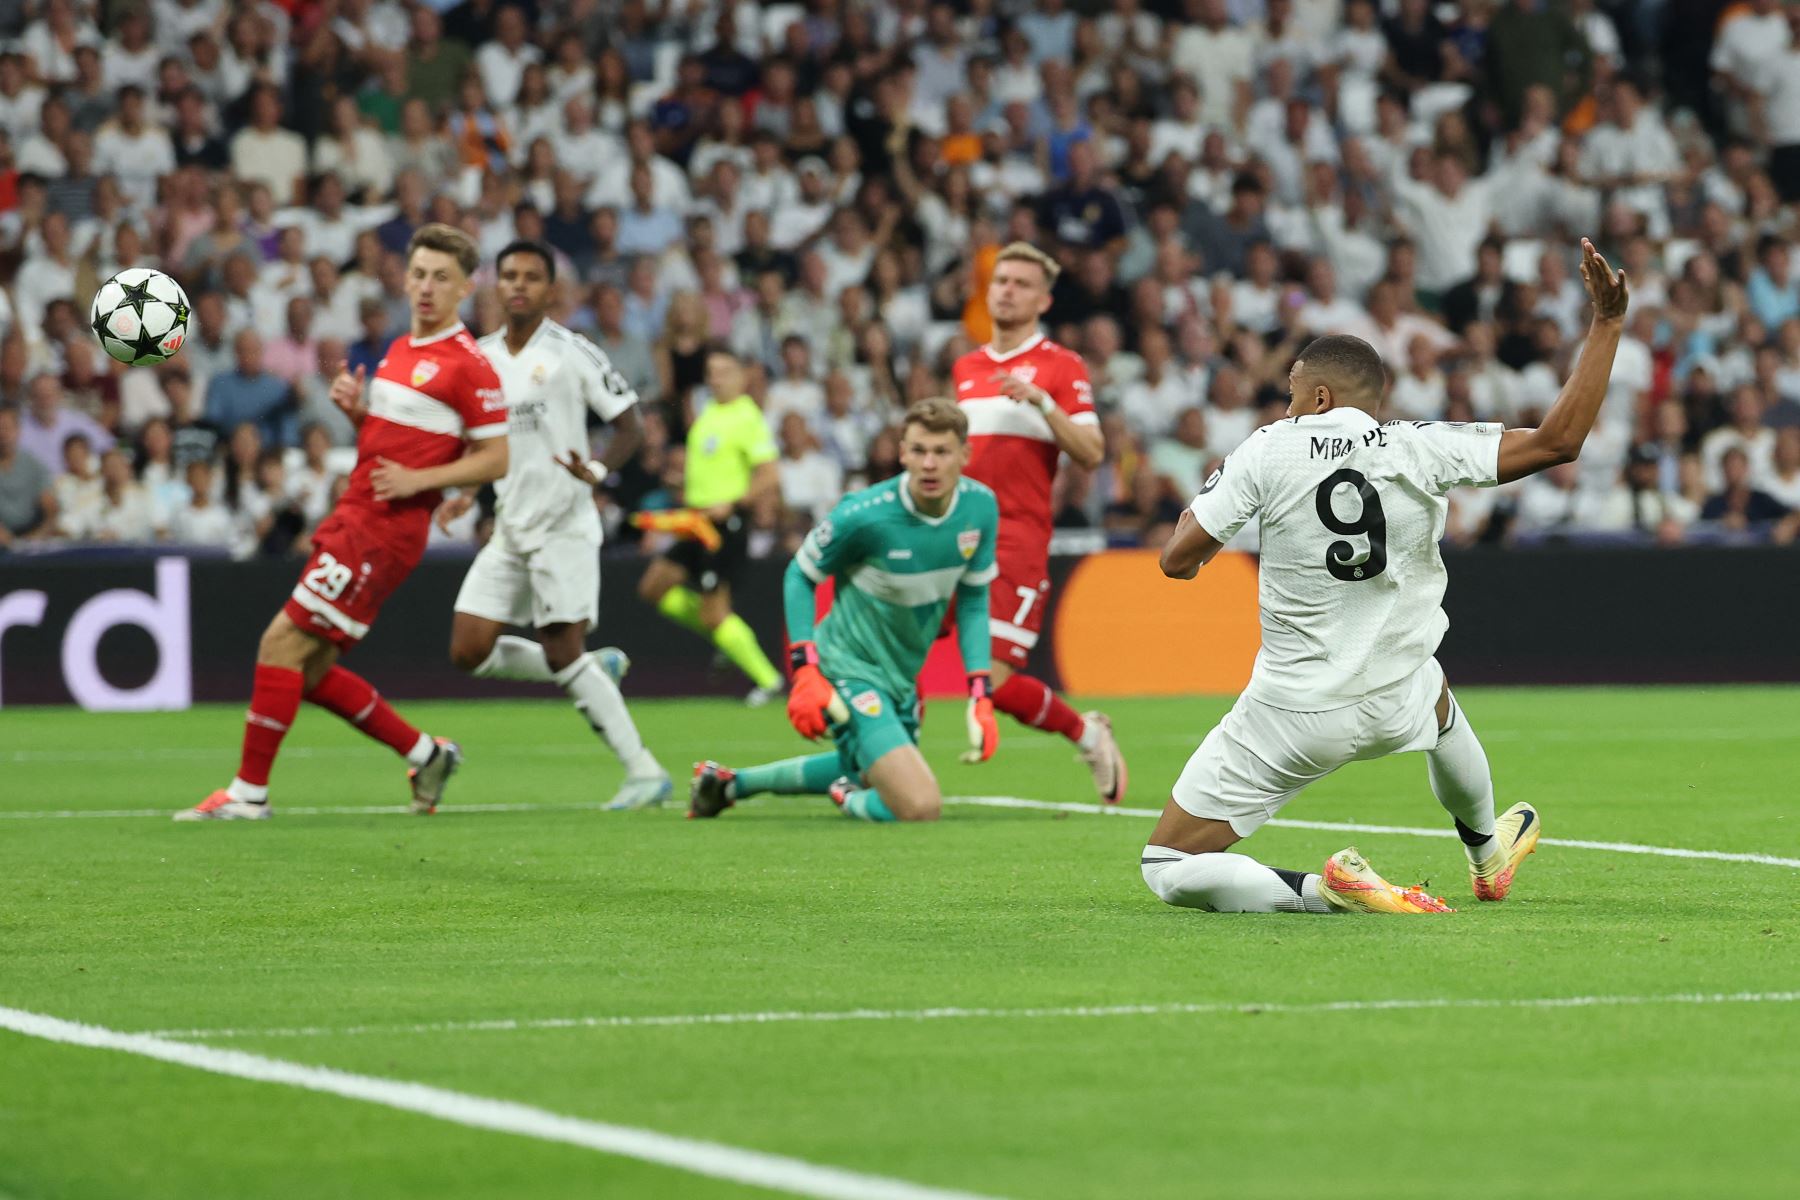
[(1469, 836), (1292, 878)]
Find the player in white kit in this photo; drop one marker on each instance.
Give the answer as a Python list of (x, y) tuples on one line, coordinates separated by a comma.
[(541, 568), (1351, 584)]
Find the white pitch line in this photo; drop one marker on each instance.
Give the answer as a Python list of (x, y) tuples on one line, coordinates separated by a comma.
[(1178, 1009), (1767, 860), (716, 1160), (1020, 802)]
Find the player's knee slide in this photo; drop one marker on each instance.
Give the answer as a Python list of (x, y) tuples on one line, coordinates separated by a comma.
[(1159, 867)]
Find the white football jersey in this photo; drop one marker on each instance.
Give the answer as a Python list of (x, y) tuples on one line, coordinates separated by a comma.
[(550, 385), (1351, 583)]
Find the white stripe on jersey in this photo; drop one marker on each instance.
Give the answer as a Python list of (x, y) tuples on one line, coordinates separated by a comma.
[(401, 405), (991, 416)]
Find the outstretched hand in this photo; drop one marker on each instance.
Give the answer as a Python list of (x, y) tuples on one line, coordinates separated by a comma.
[(1606, 287), (577, 466), (347, 392)]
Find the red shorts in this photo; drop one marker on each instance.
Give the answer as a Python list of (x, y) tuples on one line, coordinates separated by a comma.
[(355, 566), (1016, 603)]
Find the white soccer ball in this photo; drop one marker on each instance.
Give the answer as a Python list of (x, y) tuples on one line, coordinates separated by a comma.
[(140, 316)]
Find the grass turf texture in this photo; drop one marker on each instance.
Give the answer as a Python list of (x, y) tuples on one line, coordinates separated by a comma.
[(345, 920)]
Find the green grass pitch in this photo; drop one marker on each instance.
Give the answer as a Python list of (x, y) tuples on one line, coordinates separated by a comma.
[(364, 928)]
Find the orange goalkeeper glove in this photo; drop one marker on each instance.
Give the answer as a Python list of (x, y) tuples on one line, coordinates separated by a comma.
[(689, 524), (811, 698), (984, 734)]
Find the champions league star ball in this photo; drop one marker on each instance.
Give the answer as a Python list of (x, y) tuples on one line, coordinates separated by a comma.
[(140, 316)]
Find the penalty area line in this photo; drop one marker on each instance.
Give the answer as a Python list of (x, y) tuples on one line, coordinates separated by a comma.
[(1016, 802), (1107, 810), (1177, 1009), (714, 1159)]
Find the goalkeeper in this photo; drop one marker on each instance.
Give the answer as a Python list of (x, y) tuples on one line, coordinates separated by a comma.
[(730, 468), (899, 552)]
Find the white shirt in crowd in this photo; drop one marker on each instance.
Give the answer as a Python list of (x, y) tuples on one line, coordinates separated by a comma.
[(811, 483), (1353, 606)]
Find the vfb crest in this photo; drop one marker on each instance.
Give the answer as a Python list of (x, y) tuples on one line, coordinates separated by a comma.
[(967, 540), (423, 372)]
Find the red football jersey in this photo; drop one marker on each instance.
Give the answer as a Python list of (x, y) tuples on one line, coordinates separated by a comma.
[(1011, 448), (428, 395)]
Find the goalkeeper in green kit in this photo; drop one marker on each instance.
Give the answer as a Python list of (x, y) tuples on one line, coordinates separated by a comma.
[(900, 552)]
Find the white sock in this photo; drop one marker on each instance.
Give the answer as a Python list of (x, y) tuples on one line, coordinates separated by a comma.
[(1223, 882), (597, 698), (1090, 734), (515, 657), (1463, 784), (254, 793), (422, 750)]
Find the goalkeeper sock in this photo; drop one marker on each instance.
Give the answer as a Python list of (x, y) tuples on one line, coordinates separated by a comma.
[(355, 699), (1031, 702), (598, 699), (1221, 882), (808, 775), (735, 637), (865, 804), (274, 703), (515, 658), (1464, 785), (682, 606)]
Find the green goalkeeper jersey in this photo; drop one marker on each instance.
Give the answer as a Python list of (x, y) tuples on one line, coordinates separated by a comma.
[(897, 571)]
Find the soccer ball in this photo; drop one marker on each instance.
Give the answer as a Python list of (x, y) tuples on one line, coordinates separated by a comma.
[(140, 316)]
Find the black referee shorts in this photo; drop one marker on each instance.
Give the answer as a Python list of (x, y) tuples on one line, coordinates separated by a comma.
[(709, 570)]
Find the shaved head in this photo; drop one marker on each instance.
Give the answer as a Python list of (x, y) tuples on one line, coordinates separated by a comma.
[(1345, 368)]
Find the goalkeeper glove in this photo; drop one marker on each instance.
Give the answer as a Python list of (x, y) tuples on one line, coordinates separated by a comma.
[(984, 734), (689, 524), (811, 698)]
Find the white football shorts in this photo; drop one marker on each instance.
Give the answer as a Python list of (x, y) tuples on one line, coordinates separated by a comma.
[(1258, 758), (557, 583)]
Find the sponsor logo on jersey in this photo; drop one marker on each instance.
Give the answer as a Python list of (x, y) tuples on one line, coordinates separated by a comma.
[(967, 540), (866, 703), (899, 553), (822, 533), (492, 399), (424, 371)]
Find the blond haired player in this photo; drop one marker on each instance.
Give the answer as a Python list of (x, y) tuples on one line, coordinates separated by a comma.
[(1029, 402)]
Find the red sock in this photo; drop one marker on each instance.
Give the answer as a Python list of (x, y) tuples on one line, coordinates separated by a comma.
[(355, 699), (274, 702), (1031, 702)]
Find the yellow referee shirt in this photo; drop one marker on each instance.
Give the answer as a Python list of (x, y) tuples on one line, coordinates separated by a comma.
[(725, 444)]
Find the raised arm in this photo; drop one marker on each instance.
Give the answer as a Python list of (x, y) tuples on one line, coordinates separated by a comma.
[(1567, 425)]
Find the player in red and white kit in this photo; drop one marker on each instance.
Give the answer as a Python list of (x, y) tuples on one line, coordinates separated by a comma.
[(435, 418), (1029, 402)]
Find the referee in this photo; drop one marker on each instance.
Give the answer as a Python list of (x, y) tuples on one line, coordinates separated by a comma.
[(730, 467)]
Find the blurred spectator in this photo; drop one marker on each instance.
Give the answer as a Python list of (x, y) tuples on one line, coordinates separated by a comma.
[(201, 520), (1739, 505), (125, 513), (250, 393), (48, 422), (1181, 458), (266, 153), (27, 496), (78, 490), (811, 481)]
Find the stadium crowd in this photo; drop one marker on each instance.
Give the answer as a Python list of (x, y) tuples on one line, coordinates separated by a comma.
[(822, 187)]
